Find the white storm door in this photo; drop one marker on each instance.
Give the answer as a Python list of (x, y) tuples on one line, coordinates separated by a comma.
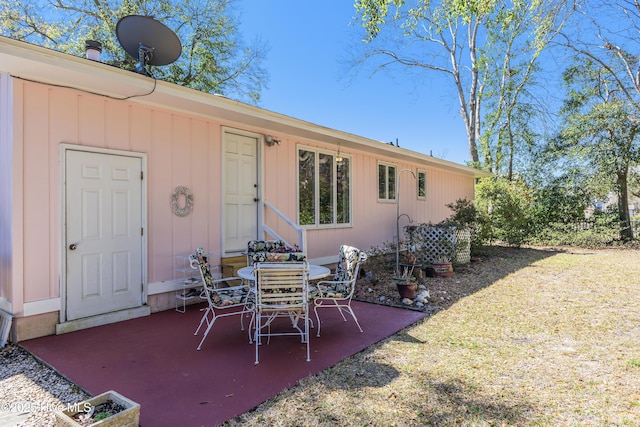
[(240, 191), (103, 210)]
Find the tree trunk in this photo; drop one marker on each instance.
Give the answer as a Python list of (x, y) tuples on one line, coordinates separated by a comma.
[(626, 232)]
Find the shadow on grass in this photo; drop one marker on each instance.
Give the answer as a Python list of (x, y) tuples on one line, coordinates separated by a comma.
[(364, 374), (404, 336), (455, 403)]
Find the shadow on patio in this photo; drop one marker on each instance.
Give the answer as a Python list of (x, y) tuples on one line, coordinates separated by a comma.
[(153, 361)]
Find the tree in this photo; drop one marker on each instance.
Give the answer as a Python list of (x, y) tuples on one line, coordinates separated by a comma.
[(487, 47), (517, 34), (606, 32), (601, 129), (213, 57)]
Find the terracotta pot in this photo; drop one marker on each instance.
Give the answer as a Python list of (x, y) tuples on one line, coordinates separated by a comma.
[(407, 289), (444, 269)]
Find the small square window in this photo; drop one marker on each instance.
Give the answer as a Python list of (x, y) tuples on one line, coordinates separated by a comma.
[(386, 182), (422, 184)]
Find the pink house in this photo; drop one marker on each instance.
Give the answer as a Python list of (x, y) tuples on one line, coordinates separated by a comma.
[(106, 176)]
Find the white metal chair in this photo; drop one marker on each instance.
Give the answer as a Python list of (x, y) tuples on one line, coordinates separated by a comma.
[(337, 293), (221, 297), (281, 292)]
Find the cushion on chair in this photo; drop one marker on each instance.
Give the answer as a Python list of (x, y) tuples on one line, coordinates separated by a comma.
[(335, 290), (342, 283), (347, 260), (220, 296), (266, 246), (287, 257), (272, 251)]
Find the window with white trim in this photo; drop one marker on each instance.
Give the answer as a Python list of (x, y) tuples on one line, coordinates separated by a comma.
[(386, 181), (324, 188), (422, 184)]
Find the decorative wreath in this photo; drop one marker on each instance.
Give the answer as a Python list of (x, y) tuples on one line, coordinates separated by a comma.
[(175, 201)]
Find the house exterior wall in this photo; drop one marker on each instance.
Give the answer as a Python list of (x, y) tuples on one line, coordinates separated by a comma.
[(373, 221), (181, 150), (375, 217)]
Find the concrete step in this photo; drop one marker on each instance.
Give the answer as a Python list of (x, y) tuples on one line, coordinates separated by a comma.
[(231, 265)]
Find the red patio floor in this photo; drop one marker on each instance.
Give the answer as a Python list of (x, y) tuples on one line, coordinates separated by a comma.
[(153, 361)]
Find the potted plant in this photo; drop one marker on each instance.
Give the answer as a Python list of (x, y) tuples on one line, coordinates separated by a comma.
[(405, 280), (442, 267), (107, 409)]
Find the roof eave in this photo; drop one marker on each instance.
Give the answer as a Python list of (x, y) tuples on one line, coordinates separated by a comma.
[(35, 63)]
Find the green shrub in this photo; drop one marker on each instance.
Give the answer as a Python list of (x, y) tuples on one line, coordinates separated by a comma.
[(509, 207)]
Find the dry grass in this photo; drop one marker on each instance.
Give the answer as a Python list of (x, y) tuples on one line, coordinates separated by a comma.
[(525, 337)]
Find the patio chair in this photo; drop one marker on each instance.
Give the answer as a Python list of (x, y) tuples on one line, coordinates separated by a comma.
[(337, 293), (271, 251), (281, 292), (223, 300)]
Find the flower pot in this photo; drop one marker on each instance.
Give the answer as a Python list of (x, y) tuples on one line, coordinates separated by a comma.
[(443, 269), (407, 289), (129, 417)]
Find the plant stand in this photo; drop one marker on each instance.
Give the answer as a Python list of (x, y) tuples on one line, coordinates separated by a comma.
[(129, 417)]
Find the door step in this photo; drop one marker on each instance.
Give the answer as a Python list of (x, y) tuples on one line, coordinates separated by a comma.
[(102, 319), (231, 265)]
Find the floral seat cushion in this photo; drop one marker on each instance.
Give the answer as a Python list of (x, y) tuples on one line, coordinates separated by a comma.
[(223, 298), (343, 279), (333, 290), (220, 295), (266, 246), (279, 257), (273, 251)]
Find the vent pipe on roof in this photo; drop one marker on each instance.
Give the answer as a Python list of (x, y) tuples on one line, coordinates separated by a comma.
[(93, 49)]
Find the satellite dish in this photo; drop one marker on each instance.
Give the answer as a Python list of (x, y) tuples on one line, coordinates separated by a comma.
[(148, 40)]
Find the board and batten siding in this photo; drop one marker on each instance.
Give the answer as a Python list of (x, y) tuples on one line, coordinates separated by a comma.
[(183, 150)]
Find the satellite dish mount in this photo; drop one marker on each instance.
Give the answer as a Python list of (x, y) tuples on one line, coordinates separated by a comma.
[(145, 55), (149, 41)]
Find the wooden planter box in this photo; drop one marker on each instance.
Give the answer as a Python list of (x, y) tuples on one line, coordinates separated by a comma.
[(130, 417)]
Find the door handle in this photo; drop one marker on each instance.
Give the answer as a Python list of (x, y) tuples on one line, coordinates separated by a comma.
[(255, 199), (73, 247)]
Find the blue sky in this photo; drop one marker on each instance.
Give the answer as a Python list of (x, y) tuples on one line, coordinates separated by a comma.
[(309, 80)]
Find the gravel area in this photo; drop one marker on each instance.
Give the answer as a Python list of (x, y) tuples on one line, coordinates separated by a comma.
[(31, 391), (376, 284)]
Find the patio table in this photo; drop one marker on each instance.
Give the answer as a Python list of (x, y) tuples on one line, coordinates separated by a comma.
[(315, 272)]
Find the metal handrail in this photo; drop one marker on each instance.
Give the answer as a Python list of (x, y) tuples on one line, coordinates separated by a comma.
[(302, 235)]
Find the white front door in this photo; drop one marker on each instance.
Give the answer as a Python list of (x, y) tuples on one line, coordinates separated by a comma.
[(104, 243), (240, 191)]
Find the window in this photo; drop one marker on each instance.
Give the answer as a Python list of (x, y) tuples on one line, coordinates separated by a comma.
[(386, 181), (324, 188), (422, 184)]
